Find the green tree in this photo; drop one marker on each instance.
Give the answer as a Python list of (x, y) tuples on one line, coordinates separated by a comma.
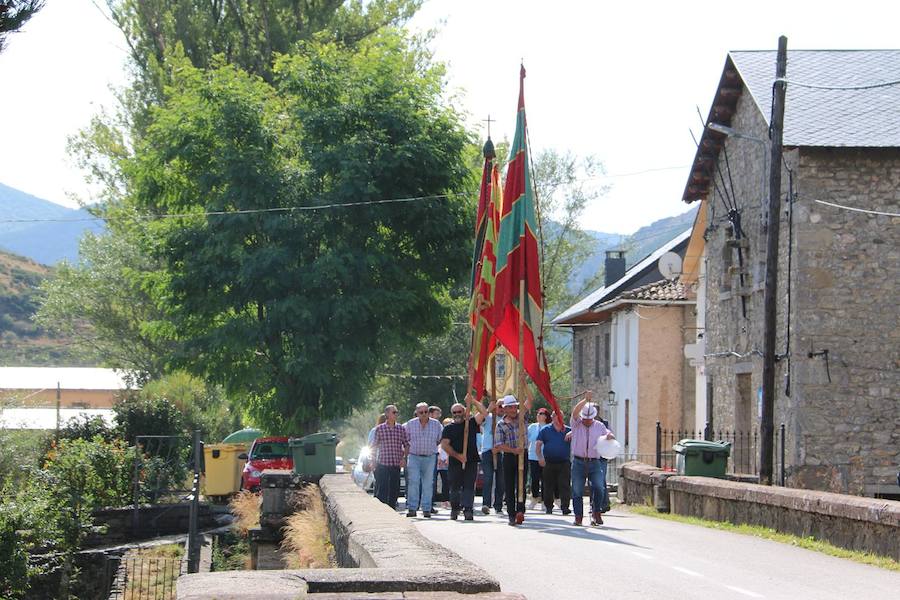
[(297, 308), (14, 14), (246, 33), (102, 306)]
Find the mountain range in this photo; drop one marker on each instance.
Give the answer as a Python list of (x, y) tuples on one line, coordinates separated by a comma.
[(41, 230)]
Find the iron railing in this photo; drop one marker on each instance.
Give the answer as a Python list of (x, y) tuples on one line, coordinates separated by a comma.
[(145, 578), (745, 448)]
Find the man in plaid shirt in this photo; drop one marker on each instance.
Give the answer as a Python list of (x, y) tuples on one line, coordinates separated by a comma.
[(424, 437), (508, 440), (392, 442)]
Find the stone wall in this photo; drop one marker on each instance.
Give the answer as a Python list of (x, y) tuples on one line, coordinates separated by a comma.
[(592, 341), (851, 522), (842, 435)]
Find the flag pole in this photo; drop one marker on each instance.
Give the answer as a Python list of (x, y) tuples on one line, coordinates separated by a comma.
[(520, 515), (495, 411)]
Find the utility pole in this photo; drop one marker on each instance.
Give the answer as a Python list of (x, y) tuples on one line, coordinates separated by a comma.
[(770, 304)]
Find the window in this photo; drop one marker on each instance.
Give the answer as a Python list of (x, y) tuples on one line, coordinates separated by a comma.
[(606, 354), (579, 361), (596, 356), (615, 341), (627, 342)]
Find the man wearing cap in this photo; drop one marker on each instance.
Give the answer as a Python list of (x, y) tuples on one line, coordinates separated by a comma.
[(424, 437), (461, 479), (586, 463), (508, 440)]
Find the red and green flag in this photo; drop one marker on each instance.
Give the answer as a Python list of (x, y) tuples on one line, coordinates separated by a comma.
[(518, 300), (484, 259)]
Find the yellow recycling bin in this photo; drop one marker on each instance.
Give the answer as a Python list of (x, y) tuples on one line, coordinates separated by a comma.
[(223, 468)]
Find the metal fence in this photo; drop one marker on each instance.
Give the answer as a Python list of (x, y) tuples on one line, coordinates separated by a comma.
[(745, 448), (145, 578)]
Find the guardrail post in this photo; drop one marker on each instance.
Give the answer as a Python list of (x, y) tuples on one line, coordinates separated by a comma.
[(658, 446)]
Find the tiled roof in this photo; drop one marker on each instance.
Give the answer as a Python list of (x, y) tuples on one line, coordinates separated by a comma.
[(658, 290), (865, 118)]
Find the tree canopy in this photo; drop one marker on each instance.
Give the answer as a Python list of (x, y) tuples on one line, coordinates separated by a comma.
[(14, 14), (297, 301)]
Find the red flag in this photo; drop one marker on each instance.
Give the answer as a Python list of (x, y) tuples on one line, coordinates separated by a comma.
[(481, 307), (518, 261)]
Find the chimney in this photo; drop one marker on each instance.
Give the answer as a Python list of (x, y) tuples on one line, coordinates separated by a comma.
[(615, 267)]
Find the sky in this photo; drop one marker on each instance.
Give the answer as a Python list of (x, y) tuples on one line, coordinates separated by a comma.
[(620, 81)]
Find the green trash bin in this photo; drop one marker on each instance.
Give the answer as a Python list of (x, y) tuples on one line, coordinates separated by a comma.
[(314, 454), (701, 458)]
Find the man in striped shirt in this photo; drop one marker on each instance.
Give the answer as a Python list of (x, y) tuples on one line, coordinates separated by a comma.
[(424, 437)]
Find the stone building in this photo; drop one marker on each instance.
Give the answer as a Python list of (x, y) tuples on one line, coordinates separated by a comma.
[(628, 348), (838, 323)]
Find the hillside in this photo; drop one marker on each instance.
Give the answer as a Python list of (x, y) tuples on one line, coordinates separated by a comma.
[(22, 343), (43, 231), (636, 246)]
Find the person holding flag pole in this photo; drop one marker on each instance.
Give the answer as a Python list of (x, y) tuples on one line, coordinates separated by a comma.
[(517, 315)]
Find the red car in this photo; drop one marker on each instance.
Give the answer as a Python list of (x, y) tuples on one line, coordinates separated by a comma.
[(265, 453)]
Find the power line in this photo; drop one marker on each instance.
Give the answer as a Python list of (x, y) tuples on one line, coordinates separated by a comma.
[(848, 88), (861, 210)]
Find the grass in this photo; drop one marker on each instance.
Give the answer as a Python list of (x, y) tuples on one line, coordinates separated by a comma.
[(808, 543), (151, 572), (306, 543), (245, 507)]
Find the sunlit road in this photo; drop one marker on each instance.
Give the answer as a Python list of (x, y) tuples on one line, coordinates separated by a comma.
[(633, 556)]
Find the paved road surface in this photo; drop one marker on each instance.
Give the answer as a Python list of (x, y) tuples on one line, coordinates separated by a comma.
[(639, 557)]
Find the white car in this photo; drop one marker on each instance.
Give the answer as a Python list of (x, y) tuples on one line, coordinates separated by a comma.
[(362, 478)]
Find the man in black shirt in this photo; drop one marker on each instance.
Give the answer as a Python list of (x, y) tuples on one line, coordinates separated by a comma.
[(462, 479)]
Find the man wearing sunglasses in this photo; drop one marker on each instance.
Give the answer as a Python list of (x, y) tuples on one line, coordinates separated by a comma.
[(462, 478), (424, 437)]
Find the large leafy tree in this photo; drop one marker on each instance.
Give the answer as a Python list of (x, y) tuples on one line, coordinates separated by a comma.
[(297, 308), (14, 14)]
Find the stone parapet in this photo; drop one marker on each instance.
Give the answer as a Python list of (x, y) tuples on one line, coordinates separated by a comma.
[(381, 551), (851, 522)]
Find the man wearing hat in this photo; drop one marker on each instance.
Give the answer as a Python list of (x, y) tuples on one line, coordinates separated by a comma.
[(586, 463), (508, 440)]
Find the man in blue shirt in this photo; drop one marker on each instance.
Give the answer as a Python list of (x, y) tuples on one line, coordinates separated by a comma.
[(492, 484), (554, 452)]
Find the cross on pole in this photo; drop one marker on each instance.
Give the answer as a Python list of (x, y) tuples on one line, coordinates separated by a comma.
[(489, 120)]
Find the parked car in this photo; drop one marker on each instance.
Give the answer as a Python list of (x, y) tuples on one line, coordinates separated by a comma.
[(338, 464), (265, 453), (366, 479)]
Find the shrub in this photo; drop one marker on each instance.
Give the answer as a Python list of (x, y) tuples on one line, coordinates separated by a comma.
[(305, 542)]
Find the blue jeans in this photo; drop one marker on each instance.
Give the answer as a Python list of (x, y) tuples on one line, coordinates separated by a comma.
[(595, 470), (419, 481), (492, 486)]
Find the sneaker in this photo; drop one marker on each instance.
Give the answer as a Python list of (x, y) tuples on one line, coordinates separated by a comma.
[(410, 513), (548, 511), (512, 522), (469, 515), (434, 510), (596, 519), (567, 511), (499, 511), (485, 510), (578, 520), (454, 513), (426, 514)]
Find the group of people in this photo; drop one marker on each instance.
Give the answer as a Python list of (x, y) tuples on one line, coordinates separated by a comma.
[(561, 459)]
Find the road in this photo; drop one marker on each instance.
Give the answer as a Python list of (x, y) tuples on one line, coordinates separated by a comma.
[(634, 556)]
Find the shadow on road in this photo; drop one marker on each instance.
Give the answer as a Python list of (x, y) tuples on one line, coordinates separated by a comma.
[(555, 527)]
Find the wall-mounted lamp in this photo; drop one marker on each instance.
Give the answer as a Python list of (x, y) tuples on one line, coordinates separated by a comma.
[(612, 398)]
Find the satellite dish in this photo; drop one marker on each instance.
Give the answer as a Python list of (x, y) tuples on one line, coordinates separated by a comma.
[(670, 265)]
